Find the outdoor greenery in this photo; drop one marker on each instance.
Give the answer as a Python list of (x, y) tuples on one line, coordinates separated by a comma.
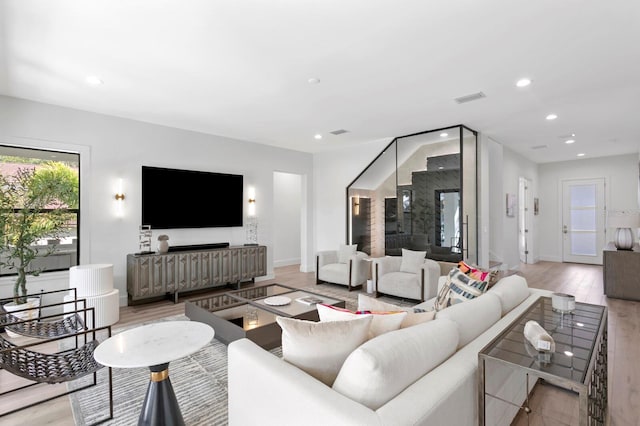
[(34, 205)]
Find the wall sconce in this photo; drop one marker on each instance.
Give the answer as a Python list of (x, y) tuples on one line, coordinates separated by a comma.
[(356, 205), (252, 201), (119, 191), (119, 197)]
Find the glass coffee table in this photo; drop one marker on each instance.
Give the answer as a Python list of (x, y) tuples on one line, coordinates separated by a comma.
[(579, 363), (247, 312)]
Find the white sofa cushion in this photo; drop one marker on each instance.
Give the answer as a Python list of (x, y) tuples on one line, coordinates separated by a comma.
[(402, 284), (383, 367), (367, 303), (382, 322), (320, 348), (337, 273), (473, 317), (345, 252), (511, 290), (412, 261)]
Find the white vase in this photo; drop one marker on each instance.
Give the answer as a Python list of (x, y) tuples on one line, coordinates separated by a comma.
[(163, 246), (24, 315)]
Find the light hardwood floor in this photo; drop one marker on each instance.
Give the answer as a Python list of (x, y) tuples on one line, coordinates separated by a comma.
[(551, 406)]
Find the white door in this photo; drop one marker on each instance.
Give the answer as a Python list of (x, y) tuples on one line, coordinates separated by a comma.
[(583, 224)]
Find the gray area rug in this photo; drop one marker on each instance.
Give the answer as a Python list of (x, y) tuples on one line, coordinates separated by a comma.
[(199, 381)]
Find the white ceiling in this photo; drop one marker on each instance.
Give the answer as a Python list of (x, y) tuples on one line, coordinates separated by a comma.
[(239, 68)]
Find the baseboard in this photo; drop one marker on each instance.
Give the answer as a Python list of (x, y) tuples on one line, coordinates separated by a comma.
[(307, 268), (286, 262), (550, 259)]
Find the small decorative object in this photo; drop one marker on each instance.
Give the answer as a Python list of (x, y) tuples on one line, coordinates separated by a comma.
[(626, 223), (563, 303), (277, 301), (163, 243), (144, 239), (251, 317), (511, 205), (538, 337), (252, 231)]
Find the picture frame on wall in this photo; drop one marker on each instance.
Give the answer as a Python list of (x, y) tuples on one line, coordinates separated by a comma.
[(511, 205)]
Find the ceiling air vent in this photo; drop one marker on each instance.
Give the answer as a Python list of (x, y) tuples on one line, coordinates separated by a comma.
[(339, 132), (469, 98), (539, 147)]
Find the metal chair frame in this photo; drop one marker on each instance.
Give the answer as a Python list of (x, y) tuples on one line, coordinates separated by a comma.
[(81, 315)]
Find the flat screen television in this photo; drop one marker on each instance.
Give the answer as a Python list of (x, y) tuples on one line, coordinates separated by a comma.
[(173, 198)]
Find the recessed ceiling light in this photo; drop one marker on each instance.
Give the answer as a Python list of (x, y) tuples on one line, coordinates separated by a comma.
[(523, 82), (318, 136), (313, 80), (581, 154), (569, 141), (444, 135), (94, 80), (551, 117), (573, 135)]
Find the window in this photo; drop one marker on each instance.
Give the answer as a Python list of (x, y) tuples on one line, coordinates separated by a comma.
[(39, 210)]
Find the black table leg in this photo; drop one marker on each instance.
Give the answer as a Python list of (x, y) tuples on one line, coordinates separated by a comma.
[(160, 407)]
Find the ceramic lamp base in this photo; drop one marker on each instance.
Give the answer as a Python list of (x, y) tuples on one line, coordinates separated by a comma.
[(623, 239)]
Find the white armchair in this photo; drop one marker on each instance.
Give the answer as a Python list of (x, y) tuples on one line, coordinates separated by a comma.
[(340, 267), (419, 282)]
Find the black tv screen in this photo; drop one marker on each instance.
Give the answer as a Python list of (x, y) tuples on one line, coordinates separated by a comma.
[(174, 198)]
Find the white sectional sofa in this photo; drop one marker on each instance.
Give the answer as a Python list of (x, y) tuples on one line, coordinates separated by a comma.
[(441, 386)]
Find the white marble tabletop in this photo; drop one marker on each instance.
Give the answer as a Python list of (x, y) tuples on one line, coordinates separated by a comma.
[(153, 344)]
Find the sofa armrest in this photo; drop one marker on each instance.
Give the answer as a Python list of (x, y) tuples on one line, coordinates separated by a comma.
[(359, 268), (430, 270), (261, 383)]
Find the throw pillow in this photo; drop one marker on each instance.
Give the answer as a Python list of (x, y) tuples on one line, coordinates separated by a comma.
[(381, 323), (383, 367), (412, 261), (345, 252), (414, 315), (320, 348), (459, 288)]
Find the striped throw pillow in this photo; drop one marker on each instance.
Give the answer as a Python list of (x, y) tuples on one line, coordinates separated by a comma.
[(459, 288)]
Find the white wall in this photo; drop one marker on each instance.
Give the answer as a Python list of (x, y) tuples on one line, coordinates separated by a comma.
[(621, 192), (333, 172), (515, 166), (287, 205), (117, 148)]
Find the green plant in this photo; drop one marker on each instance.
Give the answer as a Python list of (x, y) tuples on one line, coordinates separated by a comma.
[(34, 204)]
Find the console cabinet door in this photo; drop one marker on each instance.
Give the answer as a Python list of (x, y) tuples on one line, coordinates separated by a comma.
[(157, 276), (171, 273), (183, 271), (262, 261), (230, 265), (216, 268), (249, 263)]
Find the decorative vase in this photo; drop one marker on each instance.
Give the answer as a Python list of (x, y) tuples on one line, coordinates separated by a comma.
[(33, 303), (163, 244)]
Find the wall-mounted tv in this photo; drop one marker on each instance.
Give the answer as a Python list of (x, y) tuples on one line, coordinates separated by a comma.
[(173, 198)]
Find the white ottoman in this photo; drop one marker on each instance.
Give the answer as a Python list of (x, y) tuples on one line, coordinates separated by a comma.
[(94, 283)]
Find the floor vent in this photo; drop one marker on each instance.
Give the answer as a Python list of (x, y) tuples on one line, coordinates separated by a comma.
[(469, 98)]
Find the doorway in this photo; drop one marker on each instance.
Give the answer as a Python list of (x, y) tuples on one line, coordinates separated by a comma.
[(525, 200), (583, 213), (287, 219)]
